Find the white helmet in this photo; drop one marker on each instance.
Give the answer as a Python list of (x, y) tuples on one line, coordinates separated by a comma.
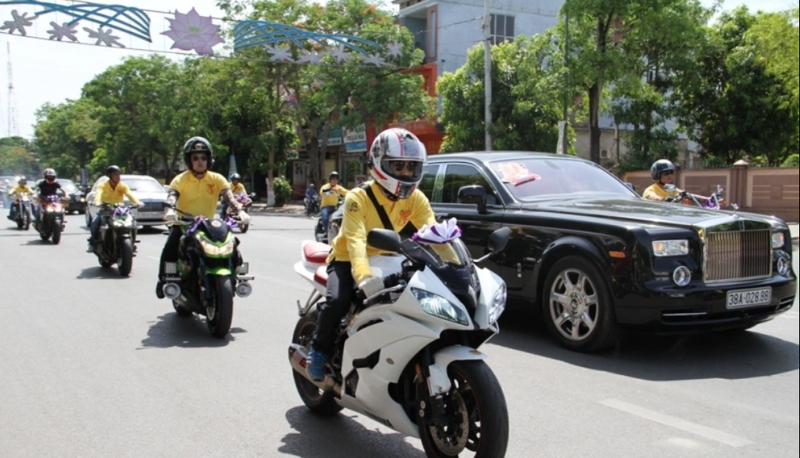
[(397, 146)]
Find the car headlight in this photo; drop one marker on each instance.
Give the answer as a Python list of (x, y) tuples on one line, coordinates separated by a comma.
[(498, 305), (664, 248), (212, 249), (437, 306), (778, 240)]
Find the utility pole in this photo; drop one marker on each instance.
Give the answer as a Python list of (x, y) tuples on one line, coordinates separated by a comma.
[(13, 129), (487, 63), (564, 138)]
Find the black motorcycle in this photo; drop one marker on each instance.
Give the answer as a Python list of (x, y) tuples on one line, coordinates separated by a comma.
[(322, 236), (209, 272), (117, 237), (51, 220), (22, 211)]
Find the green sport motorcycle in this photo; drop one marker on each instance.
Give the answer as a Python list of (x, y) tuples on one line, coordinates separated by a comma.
[(209, 272)]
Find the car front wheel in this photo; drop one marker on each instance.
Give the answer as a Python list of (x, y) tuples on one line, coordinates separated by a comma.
[(578, 308)]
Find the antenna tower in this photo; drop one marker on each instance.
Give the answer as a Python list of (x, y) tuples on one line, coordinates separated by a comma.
[(13, 128)]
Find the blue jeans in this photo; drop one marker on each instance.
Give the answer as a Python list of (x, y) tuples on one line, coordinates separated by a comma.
[(325, 214), (94, 228)]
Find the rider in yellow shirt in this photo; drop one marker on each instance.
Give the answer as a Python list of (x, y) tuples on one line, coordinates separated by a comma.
[(395, 160), (195, 192), (113, 191), (663, 173), (237, 187), (21, 188), (330, 193)]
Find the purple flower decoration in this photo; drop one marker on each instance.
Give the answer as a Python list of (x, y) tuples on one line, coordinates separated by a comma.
[(193, 32)]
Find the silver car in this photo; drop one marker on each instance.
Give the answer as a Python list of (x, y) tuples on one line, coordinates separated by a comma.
[(150, 192)]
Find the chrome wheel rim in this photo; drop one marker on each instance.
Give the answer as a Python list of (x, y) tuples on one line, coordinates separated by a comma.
[(574, 305)]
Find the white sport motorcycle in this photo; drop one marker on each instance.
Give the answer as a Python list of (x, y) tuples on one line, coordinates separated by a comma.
[(408, 356)]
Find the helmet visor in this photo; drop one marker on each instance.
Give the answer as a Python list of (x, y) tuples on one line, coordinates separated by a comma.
[(404, 170)]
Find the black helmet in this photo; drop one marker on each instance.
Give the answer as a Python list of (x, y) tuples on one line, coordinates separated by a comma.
[(197, 145), (333, 175), (235, 176), (112, 169), (50, 174), (659, 167)]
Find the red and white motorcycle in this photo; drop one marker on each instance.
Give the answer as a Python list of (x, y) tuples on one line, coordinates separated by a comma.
[(408, 356)]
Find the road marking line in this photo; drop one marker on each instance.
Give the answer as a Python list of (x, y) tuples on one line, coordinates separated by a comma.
[(677, 423)]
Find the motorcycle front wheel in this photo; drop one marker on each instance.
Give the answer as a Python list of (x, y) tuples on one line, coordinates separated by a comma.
[(125, 262), (26, 220), (56, 233), (244, 228), (316, 401), (476, 416), (221, 316)]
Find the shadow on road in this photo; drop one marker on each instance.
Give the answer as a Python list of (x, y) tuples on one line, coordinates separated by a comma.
[(340, 436), (99, 273), (172, 330), (723, 355)]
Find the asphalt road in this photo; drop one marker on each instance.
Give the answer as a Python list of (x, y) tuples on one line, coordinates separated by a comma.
[(94, 365)]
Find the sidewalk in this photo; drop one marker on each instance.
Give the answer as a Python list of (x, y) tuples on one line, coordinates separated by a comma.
[(291, 209)]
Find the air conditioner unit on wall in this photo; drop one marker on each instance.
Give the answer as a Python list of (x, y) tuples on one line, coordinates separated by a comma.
[(604, 154)]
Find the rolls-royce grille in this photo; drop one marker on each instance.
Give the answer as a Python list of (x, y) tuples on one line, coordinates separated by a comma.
[(738, 255)]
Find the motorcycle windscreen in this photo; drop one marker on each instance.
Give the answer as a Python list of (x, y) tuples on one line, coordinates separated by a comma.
[(216, 229)]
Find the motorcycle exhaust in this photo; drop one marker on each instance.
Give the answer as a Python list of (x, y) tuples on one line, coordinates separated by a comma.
[(243, 289), (172, 291), (298, 357)]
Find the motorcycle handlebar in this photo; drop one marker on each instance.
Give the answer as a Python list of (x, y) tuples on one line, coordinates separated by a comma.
[(391, 284)]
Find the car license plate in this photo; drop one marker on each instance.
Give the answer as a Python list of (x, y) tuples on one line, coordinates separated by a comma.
[(749, 298), (150, 215)]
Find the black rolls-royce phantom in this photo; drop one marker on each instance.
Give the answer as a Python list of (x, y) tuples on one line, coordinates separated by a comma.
[(597, 258)]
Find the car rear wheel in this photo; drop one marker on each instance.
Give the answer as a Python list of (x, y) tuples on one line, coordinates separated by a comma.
[(578, 308)]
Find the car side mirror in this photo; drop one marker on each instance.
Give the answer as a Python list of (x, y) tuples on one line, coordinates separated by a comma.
[(473, 194), (384, 240), (631, 186)]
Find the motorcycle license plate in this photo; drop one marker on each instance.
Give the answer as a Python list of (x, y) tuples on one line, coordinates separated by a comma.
[(749, 298)]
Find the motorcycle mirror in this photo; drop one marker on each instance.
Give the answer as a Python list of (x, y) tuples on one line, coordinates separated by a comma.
[(384, 240), (499, 239)]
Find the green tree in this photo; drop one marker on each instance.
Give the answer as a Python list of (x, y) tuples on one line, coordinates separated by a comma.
[(526, 105), (729, 102), (66, 135), (16, 157), (662, 44)]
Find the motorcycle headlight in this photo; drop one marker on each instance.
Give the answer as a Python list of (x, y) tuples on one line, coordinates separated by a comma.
[(437, 306), (212, 249), (498, 305), (664, 248)]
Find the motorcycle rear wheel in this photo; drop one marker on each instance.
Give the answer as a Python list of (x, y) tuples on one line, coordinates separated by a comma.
[(220, 323), (314, 399), (244, 228), (478, 414)]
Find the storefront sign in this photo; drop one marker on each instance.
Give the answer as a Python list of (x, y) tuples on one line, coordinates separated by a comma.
[(355, 140)]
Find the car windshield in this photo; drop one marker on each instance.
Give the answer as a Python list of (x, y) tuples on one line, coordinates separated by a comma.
[(68, 185), (143, 185), (531, 179)]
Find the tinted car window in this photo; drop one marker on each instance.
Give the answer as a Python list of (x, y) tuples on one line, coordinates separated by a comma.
[(428, 180), (457, 176), (68, 185), (531, 179), (144, 185)]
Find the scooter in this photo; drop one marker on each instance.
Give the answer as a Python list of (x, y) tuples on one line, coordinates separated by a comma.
[(312, 205), (323, 236), (408, 356)]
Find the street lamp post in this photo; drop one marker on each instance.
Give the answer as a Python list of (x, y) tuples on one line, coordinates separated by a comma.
[(487, 64), (564, 138)]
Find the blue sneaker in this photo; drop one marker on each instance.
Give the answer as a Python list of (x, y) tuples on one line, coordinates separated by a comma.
[(315, 365)]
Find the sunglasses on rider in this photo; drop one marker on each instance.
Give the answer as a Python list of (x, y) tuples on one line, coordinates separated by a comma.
[(200, 157), (398, 166), (668, 172)]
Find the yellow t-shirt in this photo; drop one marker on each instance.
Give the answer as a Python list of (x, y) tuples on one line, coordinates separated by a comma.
[(239, 188), (108, 195), (330, 195), (20, 190), (360, 217), (658, 191), (199, 197)]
